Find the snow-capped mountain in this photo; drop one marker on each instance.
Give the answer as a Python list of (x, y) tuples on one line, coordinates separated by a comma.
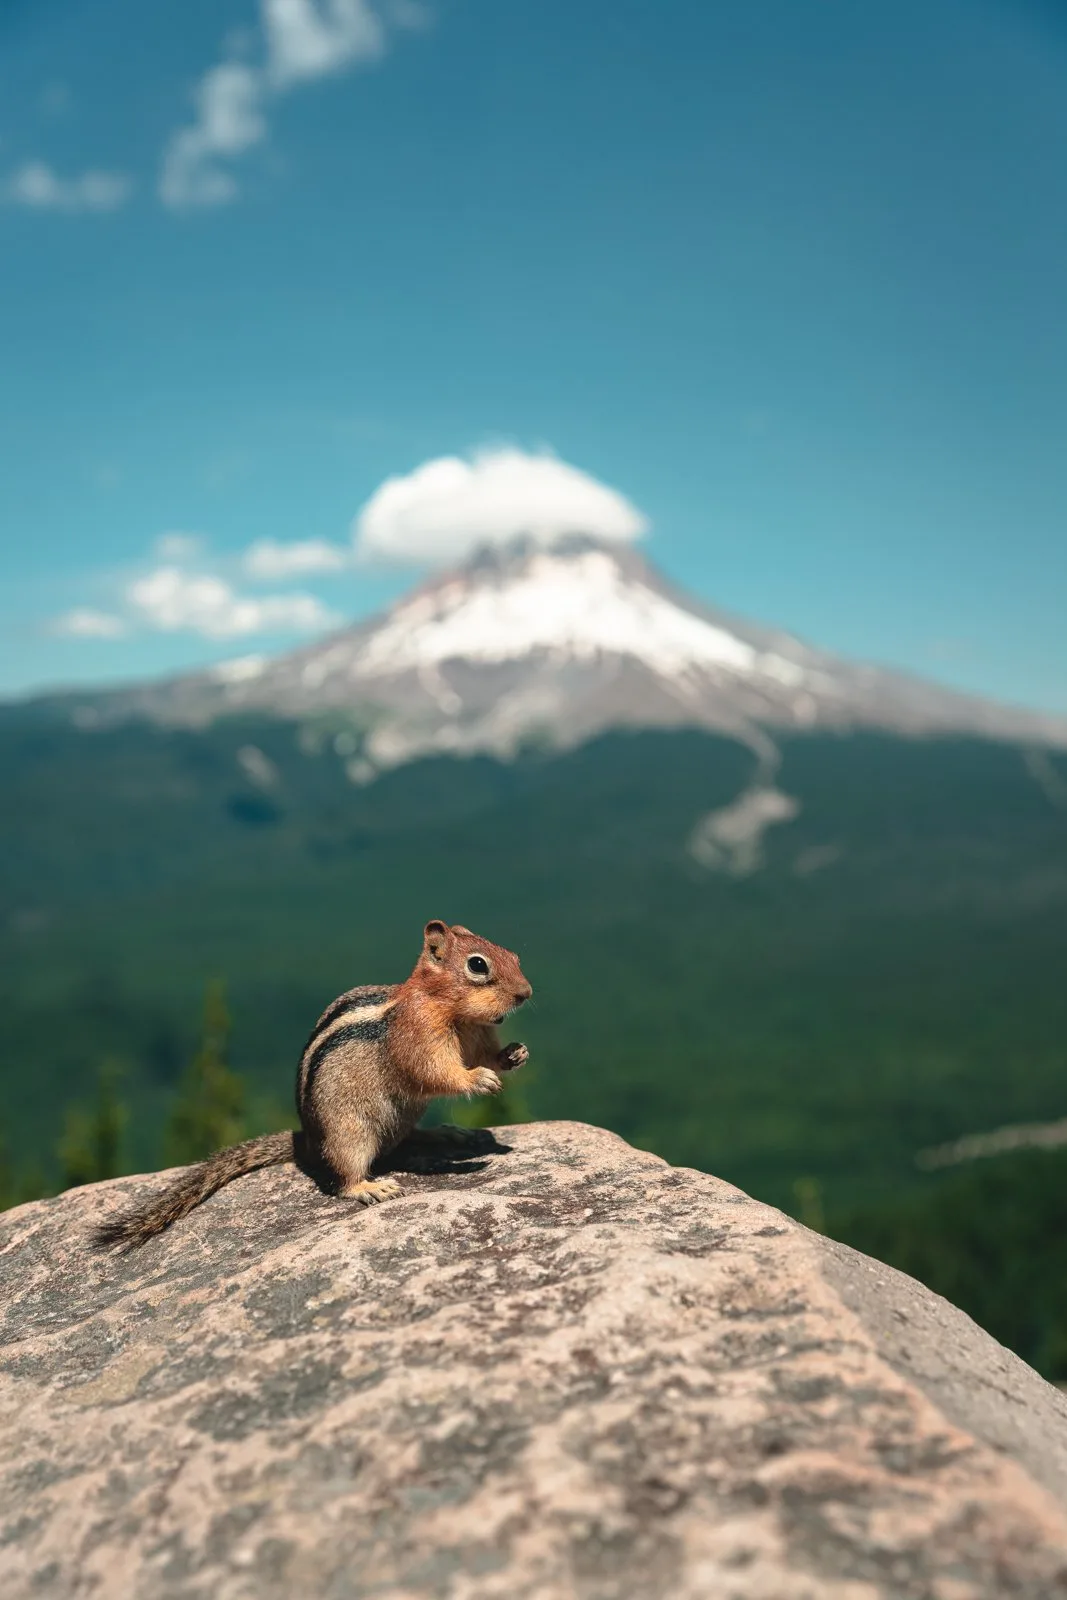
[(555, 645)]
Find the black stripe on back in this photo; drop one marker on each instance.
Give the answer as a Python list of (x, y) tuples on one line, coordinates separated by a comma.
[(354, 1000), (372, 1030)]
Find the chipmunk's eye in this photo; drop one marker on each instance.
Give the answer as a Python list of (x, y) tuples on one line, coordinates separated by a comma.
[(477, 968)]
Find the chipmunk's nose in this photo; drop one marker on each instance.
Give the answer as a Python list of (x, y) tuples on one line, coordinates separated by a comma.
[(522, 995)]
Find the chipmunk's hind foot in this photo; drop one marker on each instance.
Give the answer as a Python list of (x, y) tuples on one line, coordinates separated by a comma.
[(371, 1191)]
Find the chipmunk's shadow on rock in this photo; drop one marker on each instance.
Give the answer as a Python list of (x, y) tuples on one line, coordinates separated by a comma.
[(428, 1152), (426, 1155)]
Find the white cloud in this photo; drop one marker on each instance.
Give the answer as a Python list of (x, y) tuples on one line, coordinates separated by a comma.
[(447, 507), (269, 560), (309, 39), (229, 121), (172, 600), (298, 41), (36, 185), (83, 623)]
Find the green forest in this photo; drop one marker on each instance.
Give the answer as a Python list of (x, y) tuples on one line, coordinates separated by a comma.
[(889, 978)]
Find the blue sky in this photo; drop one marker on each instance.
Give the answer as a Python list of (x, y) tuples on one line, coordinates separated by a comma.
[(789, 277)]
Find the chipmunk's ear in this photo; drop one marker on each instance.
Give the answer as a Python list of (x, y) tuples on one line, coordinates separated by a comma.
[(436, 940)]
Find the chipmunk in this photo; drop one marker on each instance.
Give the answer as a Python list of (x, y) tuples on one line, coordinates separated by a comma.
[(374, 1061)]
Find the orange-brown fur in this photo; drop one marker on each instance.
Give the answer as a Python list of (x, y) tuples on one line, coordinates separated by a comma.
[(374, 1061)]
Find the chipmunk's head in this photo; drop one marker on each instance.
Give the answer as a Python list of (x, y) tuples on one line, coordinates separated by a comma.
[(481, 981)]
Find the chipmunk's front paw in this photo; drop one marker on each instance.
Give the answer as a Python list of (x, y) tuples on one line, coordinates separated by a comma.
[(512, 1057), (483, 1080)]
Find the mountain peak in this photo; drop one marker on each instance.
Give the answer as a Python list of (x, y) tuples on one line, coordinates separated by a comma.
[(577, 602), (558, 642)]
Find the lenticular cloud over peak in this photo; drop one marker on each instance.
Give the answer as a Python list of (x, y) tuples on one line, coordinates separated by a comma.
[(450, 506)]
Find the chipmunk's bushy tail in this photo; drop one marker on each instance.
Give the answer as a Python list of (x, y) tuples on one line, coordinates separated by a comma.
[(141, 1222)]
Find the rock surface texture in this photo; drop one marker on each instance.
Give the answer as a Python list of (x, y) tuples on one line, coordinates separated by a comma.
[(560, 1368)]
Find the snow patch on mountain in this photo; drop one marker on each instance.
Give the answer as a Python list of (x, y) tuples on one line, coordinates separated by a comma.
[(239, 669), (574, 606), (730, 839)]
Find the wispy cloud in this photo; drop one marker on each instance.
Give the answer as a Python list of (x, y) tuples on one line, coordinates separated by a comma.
[(174, 600), (270, 560), (297, 42), (55, 99), (306, 40), (83, 623), (178, 546), (229, 121), (448, 506), (36, 185)]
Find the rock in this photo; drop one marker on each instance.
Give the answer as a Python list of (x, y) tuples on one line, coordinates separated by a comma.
[(562, 1368)]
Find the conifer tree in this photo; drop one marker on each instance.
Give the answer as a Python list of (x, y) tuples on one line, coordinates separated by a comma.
[(17, 1187), (90, 1148), (207, 1113)]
